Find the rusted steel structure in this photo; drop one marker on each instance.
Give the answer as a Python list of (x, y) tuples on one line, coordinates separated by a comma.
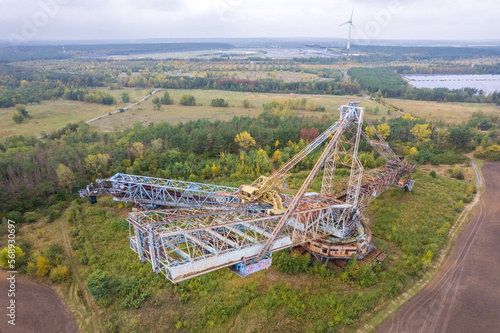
[(215, 226)]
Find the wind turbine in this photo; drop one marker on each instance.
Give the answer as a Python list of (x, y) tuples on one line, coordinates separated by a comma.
[(350, 25)]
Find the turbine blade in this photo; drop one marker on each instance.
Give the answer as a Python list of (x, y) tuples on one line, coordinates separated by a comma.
[(352, 13), (353, 26), (344, 23)]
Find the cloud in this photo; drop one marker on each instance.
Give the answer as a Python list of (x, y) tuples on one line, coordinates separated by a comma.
[(129, 19)]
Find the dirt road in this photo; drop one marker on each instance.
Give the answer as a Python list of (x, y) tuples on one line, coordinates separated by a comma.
[(38, 309), (464, 296)]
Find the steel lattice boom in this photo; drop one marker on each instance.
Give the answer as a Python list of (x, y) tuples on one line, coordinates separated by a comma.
[(155, 191)]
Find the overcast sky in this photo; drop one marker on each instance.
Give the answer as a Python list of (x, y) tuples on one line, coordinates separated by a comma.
[(129, 19)]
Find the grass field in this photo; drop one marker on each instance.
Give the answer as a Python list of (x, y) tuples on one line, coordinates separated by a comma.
[(53, 115), (176, 113), (452, 113)]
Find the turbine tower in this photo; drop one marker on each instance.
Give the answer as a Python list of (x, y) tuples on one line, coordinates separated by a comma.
[(350, 25)]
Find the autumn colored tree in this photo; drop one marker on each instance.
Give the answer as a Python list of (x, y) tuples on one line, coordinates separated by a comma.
[(277, 156), (421, 132), (244, 140), (137, 150), (370, 131), (408, 116), (43, 266), (97, 165), (7, 255), (384, 130), (65, 177), (309, 134), (479, 152), (187, 100)]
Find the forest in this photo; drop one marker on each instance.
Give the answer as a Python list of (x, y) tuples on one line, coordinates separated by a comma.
[(204, 150)]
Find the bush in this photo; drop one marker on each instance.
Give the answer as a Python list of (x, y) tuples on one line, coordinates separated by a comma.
[(133, 291), (125, 97), (83, 260), (16, 216), (18, 118), (53, 214), (98, 285), (291, 264), (457, 173), (13, 254), (43, 266), (451, 157), (54, 253), (435, 160), (60, 274), (187, 100), (246, 104), (30, 217), (459, 206), (433, 174), (219, 102), (166, 99)]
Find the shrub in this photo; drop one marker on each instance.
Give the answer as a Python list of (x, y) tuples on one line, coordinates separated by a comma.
[(125, 97), (219, 102), (30, 217), (54, 253), (16, 216), (166, 99), (60, 274), (435, 160), (83, 260), (459, 206), (246, 104), (7, 255), (451, 157), (457, 173), (43, 266), (133, 291), (433, 174), (98, 285), (187, 100), (53, 214), (18, 118), (292, 264)]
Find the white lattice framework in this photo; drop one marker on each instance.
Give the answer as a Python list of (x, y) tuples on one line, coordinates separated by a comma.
[(346, 154), (184, 244), (156, 191)]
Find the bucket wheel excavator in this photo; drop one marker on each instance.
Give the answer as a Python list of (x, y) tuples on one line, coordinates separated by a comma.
[(208, 227)]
